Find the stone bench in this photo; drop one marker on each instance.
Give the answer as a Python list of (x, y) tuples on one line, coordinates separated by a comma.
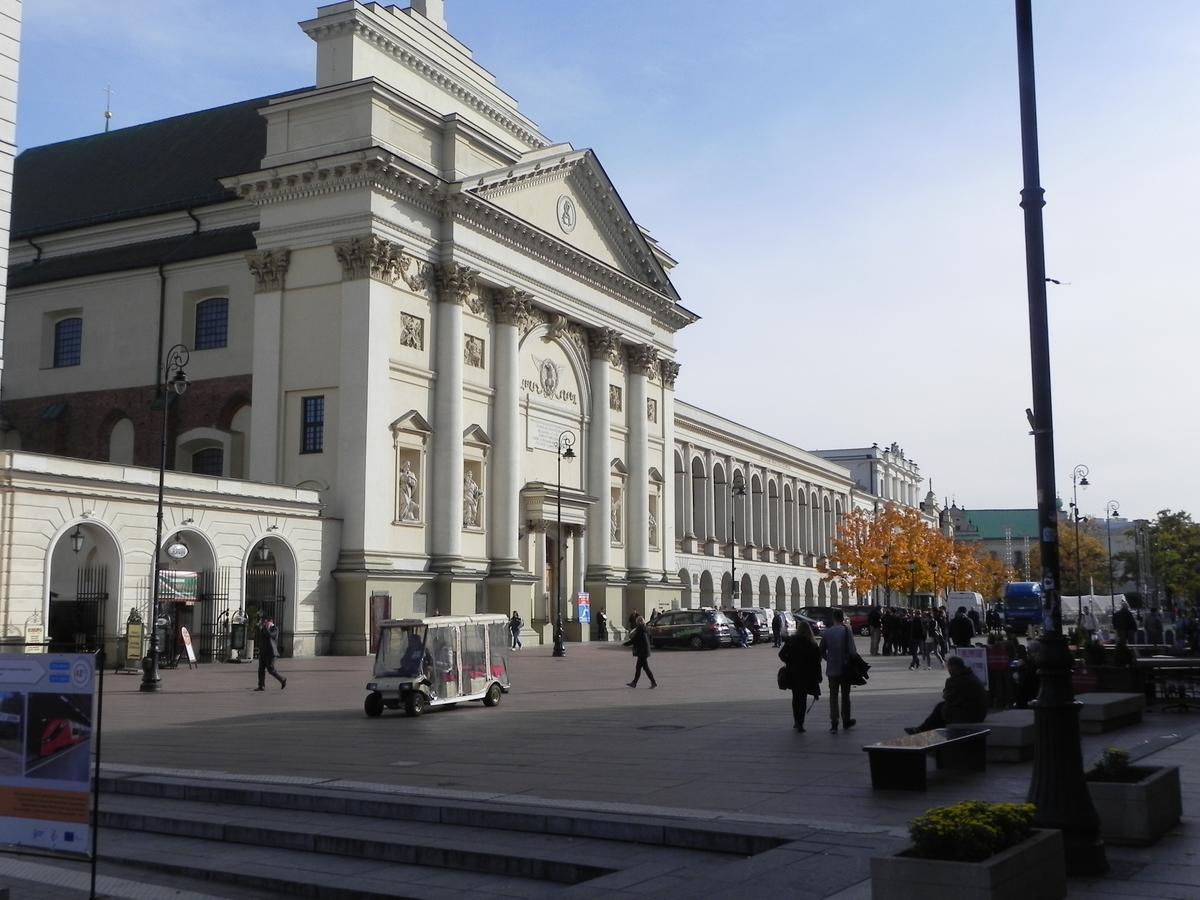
[(1011, 734), (1103, 712)]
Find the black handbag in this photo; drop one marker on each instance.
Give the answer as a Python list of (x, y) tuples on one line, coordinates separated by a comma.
[(855, 667), (785, 682)]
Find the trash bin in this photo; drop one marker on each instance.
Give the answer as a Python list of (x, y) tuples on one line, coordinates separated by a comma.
[(237, 636)]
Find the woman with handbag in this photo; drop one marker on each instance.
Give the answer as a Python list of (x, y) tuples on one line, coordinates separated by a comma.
[(802, 663)]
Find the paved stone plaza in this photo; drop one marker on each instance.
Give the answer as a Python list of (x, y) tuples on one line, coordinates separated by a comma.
[(712, 742)]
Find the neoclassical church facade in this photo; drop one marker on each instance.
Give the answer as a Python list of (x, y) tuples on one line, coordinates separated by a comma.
[(430, 361)]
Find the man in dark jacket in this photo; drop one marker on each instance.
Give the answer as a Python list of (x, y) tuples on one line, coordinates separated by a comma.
[(964, 699), (640, 641), (777, 628), (1124, 624), (962, 632), (874, 623), (268, 649)]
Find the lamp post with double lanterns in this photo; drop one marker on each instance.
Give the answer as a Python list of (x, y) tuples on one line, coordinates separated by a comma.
[(566, 450), (174, 382), (1078, 479), (1057, 788), (1110, 512)]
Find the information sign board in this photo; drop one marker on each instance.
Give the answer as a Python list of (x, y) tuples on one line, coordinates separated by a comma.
[(583, 607), (46, 720), (976, 660)]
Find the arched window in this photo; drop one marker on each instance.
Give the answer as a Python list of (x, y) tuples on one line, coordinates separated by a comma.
[(209, 461), (212, 323), (68, 342)]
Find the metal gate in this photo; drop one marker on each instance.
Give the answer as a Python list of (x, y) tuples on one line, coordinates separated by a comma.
[(211, 639), (77, 624), (265, 600)]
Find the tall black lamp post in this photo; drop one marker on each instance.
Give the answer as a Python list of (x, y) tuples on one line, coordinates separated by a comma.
[(912, 584), (174, 381), (1078, 479), (1110, 511), (1057, 788), (566, 450)]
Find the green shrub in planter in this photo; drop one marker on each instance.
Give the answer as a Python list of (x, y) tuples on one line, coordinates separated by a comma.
[(971, 831), (1113, 765)]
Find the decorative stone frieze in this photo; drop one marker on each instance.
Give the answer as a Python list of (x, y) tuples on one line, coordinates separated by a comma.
[(605, 342), (473, 351), (651, 409), (456, 283), (670, 371), (369, 256), (511, 306), (268, 268), (615, 398), (417, 273), (643, 359)]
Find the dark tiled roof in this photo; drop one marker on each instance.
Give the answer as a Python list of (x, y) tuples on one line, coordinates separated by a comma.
[(134, 256), (161, 166)]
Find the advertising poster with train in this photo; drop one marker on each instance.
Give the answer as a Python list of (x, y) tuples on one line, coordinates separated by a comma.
[(46, 720)]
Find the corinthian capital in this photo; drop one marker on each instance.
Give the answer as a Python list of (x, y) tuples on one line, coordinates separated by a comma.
[(455, 283), (370, 256), (604, 342), (510, 305), (643, 359), (268, 268), (670, 371)]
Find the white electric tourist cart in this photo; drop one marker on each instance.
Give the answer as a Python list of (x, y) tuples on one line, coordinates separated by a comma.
[(439, 661)]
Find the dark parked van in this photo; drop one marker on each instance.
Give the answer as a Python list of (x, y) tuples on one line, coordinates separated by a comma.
[(695, 628)]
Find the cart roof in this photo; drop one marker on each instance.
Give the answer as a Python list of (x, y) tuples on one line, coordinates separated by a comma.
[(479, 619)]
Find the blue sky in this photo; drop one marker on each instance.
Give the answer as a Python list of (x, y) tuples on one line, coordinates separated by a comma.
[(839, 182)]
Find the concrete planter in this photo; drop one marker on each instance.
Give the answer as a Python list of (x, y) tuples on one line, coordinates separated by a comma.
[(1138, 812), (1032, 870)]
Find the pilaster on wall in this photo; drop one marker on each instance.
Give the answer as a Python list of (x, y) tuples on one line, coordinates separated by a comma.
[(642, 360), (269, 268), (603, 344)]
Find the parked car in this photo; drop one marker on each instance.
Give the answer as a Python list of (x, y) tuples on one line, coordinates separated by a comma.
[(695, 628), (758, 620), (857, 617), (822, 614), (817, 625)]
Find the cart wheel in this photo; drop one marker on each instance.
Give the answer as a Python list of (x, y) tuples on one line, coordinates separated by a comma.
[(373, 705), (415, 703), (492, 697)]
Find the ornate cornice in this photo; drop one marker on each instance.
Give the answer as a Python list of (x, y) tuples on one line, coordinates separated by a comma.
[(604, 342), (427, 69), (455, 283), (670, 371), (511, 305), (268, 268), (643, 359)]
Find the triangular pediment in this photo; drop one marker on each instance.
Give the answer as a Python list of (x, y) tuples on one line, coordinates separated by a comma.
[(567, 194)]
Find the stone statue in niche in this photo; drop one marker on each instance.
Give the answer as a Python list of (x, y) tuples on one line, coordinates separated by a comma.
[(473, 351), (615, 521), (472, 494), (653, 529), (408, 510)]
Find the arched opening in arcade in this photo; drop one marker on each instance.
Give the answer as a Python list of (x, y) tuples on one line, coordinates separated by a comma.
[(269, 585), (83, 594)]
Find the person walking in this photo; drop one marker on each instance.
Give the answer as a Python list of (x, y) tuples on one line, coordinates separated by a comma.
[(777, 628), (875, 624), (639, 640), (837, 646), (916, 637), (268, 650), (1124, 624), (961, 630), (515, 624), (964, 699), (802, 657)]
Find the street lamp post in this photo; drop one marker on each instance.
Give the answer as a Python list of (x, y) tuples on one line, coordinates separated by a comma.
[(1110, 511), (1078, 479), (174, 380), (936, 568), (912, 584), (566, 445), (887, 578), (1057, 788), (735, 491), (953, 573)]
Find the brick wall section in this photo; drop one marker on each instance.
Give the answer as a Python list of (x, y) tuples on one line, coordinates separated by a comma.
[(82, 430)]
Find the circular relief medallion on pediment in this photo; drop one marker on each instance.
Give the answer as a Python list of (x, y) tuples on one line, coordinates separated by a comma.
[(567, 216)]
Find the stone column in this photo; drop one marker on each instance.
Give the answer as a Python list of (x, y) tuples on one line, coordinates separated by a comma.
[(666, 415), (454, 284), (797, 545), (509, 305), (642, 358), (710, 501), (689, 530), (578, 560), (269, 268), (603, 342)]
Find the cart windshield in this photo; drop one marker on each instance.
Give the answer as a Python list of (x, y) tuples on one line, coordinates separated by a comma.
[(401, 651)]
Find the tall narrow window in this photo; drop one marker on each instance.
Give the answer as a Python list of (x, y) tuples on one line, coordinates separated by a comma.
[(212, 324), (312, 434), (68, 342), (209, 461)]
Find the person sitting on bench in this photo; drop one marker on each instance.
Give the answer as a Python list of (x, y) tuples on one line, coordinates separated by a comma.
[(964, 699)]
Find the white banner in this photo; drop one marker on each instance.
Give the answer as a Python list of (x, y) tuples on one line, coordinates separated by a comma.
[(976, 660), (46, 719)]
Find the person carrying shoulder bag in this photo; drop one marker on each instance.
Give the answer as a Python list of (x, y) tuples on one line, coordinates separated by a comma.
[(837, 649)]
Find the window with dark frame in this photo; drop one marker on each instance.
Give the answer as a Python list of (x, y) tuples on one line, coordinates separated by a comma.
[(212, 324), (312, 432), (209, 461), (68, 342)]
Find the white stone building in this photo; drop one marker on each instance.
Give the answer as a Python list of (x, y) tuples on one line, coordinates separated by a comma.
[(401, 301)]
